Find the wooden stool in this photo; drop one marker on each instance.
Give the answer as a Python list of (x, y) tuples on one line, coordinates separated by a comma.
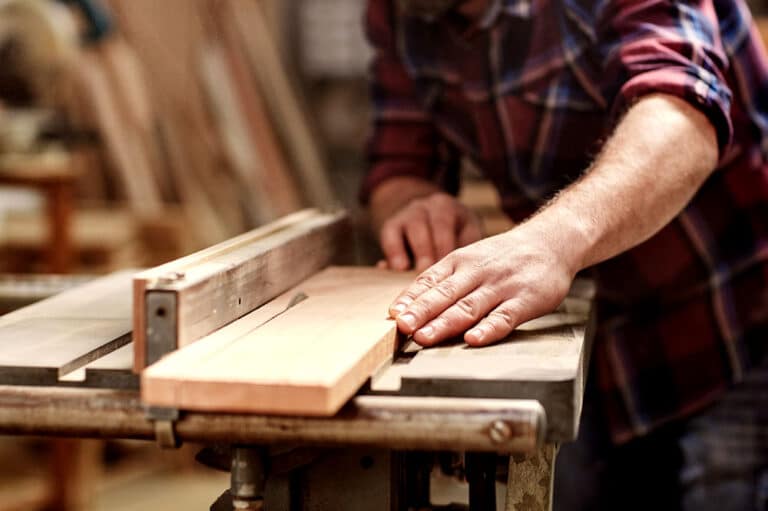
[(52, 173)]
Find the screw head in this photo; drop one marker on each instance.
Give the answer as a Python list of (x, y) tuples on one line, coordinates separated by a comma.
[(499, 431)]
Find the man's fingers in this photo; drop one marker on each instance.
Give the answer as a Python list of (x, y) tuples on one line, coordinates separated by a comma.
[(433, 301), (497, 325), (419, 236), (443, 232), (423, 283), (393, 246), (457, 318)]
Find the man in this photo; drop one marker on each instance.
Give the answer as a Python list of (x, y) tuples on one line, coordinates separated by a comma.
[(626, 137)]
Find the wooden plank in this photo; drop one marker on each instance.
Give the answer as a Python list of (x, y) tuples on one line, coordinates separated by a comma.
[(202, 210), (544, 359), (226, 281), (103, 298), (61, 343), (129, 81), (246, 137), (282, 190), (230, 122), (20, 290), (45, 341), (114, 371), (307, 360), (167, 37), (122, 142), (281, 98)]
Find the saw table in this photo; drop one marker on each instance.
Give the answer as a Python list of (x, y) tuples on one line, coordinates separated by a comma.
[(134, 356)]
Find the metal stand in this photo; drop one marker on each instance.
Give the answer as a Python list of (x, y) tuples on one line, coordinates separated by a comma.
[(345, 480), (249, 476), (481, 475), (248, 480)]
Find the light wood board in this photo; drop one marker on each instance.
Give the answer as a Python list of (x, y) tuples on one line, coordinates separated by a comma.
[(306, 360), (227, 281), (44, 342)]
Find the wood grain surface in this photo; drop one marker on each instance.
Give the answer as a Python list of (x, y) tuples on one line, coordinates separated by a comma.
[(44, 342), (227, 281), (307, 360)]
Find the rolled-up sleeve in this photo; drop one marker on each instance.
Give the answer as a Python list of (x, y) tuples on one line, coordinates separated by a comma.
[(403, 141), (665, 46)]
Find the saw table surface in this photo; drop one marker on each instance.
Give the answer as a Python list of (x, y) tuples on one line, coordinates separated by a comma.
[(81, 338), (67, 370), (257, 341)]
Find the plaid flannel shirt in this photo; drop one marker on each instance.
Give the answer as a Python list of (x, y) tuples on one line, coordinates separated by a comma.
[(528, 93)]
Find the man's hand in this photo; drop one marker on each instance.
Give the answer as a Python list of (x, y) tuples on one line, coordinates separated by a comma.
[(650, 167), (485, 289), (414, 217)]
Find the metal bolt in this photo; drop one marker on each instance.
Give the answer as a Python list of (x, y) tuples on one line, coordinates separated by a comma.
[(499, 432)]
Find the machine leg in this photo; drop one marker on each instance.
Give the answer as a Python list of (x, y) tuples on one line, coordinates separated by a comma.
[(411, 479), (481, 476), (249, 475), (529, 487)]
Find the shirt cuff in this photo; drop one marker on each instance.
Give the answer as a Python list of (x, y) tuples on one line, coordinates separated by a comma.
[(701, 88)]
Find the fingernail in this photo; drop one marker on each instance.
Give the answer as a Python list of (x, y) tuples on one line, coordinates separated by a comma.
[(398, 308), (408, 319), (427, 331), (477, 333)]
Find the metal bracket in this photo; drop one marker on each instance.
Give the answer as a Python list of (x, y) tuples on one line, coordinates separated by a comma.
[(164, 420), (161, 324)]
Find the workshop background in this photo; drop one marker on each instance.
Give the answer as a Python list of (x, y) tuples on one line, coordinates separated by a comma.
[(135, 131)]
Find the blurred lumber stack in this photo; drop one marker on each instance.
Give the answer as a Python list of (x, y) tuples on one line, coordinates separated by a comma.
[(179, 106), (234, 135), (203, 113)]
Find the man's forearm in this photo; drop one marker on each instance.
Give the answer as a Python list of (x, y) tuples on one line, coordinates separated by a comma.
[(655, 161), (652, 165)]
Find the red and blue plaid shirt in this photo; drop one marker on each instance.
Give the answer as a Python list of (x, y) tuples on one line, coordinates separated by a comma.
[(529, 93)]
